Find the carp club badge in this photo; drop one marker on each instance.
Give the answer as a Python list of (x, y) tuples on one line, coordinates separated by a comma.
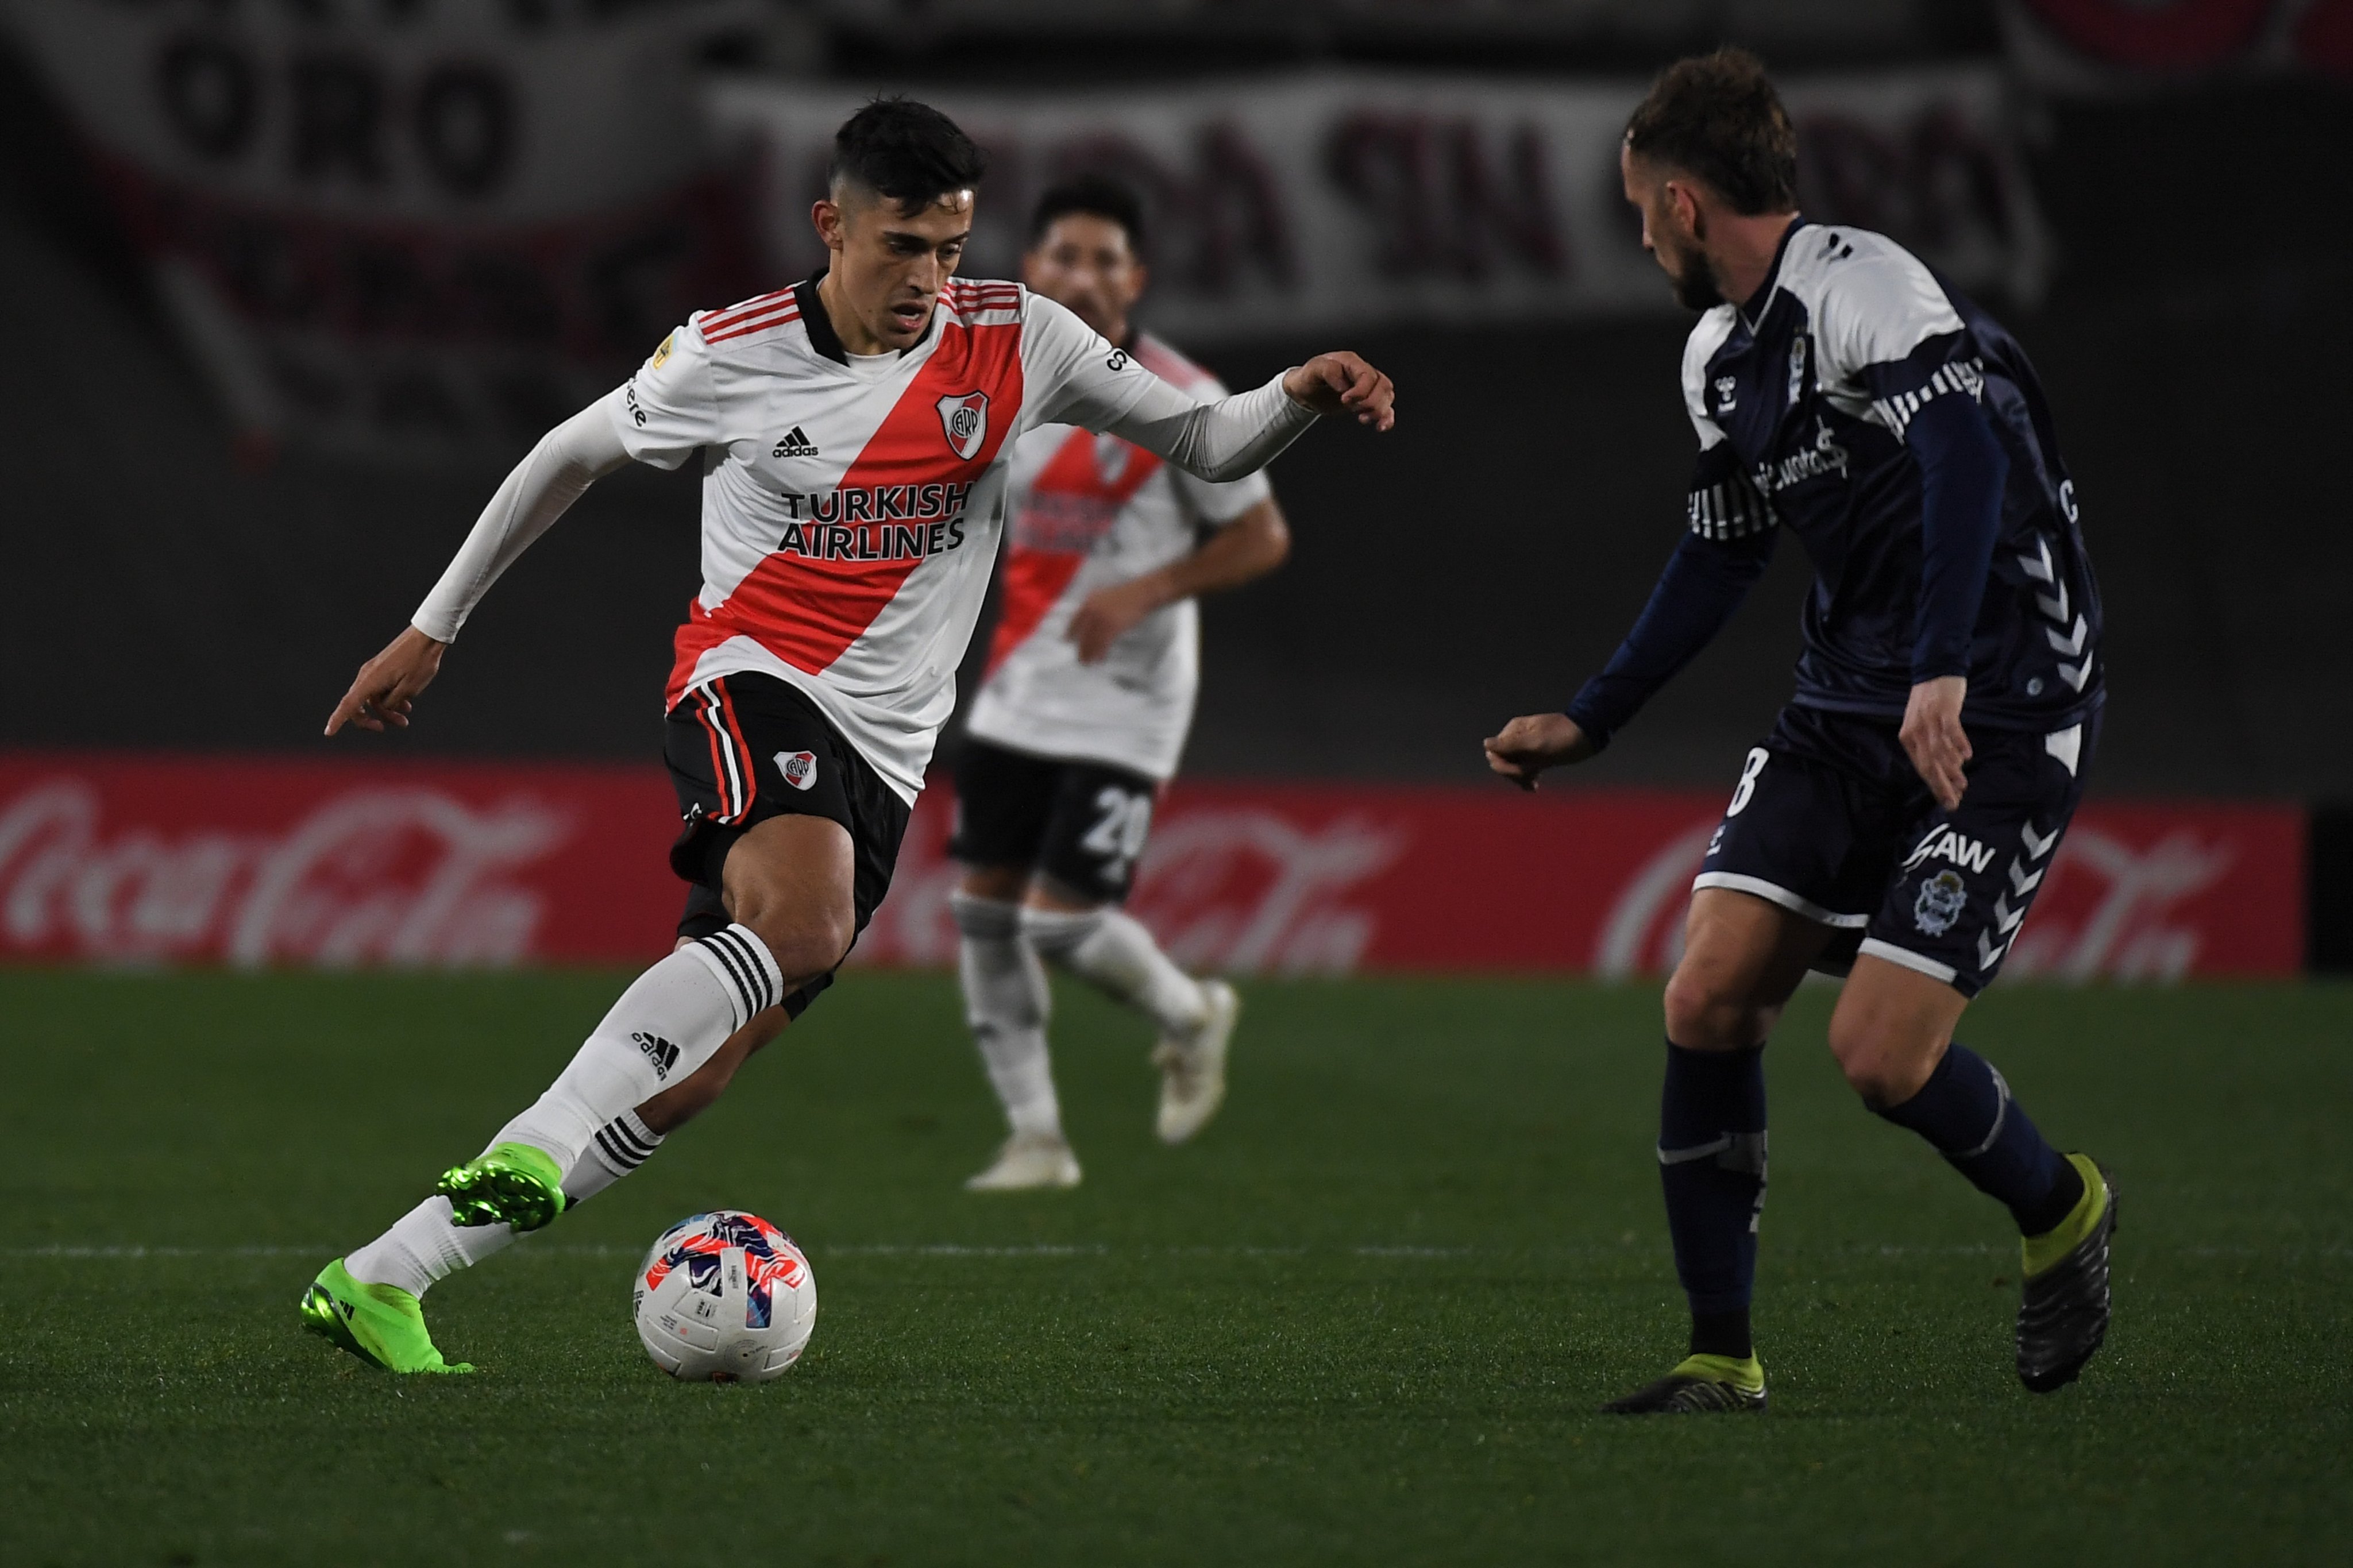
[(964, 418)]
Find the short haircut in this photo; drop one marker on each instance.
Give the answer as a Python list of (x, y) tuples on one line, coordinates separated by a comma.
[(1096, 195), (906, 151), (1717, 118)]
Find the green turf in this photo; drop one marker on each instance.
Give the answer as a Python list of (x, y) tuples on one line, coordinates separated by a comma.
[(1366, 1319)]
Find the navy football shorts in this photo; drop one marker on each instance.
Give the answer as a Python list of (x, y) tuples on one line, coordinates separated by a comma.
[(1081, 824), (1830, 821)]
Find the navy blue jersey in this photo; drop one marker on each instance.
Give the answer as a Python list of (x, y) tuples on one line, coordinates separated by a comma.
[(1802, 401)]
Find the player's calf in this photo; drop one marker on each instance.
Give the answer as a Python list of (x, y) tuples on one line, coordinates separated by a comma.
[(681, 1103), (1108, 948), (1007, 1004), (1946, 1093)]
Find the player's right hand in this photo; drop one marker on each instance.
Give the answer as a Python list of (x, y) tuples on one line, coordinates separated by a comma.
[(1534, 742), (1341, 383), (387, 684)]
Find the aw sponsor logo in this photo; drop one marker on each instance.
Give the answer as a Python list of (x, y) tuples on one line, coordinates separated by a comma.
[(1950, 844)]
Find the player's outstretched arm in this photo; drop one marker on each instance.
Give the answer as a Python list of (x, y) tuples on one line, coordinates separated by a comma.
[(542, 487), (1704, 584), (1237, 436)]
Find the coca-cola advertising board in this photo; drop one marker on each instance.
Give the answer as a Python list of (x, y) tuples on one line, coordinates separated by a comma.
[(261, 863)]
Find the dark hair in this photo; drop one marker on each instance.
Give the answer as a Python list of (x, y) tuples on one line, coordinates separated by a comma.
[(1097, 196), (1717, 118), (906, 151)]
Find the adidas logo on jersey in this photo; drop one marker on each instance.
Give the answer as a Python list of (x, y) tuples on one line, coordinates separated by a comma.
[(795, 445), (658, 1051)]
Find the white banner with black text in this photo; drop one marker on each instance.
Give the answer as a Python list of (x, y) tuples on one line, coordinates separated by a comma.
[(431, 227), (1341, 200)]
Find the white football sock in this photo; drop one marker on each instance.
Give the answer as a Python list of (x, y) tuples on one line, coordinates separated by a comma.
[(620, 1146), (1006, 1003), (671, 1021), (424, 1247), (1112, 948)]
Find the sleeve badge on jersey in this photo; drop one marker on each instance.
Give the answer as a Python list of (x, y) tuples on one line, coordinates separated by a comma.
[(661, 354), (964, 418)]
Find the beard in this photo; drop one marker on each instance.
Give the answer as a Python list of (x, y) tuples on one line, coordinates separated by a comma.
[(1694, 280)]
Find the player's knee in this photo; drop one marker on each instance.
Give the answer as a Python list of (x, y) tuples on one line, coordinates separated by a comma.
[(999, 884), (1705, 1015), (805, 940), (1881, 1064)]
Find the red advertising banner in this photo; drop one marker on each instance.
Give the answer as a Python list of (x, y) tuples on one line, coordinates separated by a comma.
[(263, 862), (254, 862)]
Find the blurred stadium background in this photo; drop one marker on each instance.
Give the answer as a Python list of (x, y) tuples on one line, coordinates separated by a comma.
[(289, 285)]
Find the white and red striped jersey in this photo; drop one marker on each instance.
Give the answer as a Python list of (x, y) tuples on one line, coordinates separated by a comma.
[(852, 505), (1088, 510)]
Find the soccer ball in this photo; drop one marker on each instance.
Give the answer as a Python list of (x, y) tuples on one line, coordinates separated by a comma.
[(724, 1298)]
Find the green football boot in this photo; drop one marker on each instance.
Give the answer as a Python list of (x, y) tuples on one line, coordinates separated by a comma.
[(1700, 1386), (381, 1324), (511, 1184), (2062, 1313)]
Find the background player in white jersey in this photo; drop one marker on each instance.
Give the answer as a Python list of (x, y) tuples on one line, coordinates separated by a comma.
[(854, 432), (1085, 711)]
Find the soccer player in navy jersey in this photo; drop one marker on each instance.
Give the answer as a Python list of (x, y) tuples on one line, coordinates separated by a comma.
[(1896, 824)]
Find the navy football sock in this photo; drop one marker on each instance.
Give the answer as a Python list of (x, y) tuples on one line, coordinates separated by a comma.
[(1966, 1111), (1711, 1165)]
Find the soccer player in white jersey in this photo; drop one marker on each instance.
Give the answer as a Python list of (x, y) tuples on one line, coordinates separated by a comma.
[(854, 434), (1085, 711)]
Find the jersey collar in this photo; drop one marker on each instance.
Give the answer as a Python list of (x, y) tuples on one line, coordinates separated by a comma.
[(1752, 309), (821, 335)]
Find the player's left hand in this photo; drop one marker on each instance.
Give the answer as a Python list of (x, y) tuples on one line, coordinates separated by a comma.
[(1933, 737), (1341, 382), (1108, 614)]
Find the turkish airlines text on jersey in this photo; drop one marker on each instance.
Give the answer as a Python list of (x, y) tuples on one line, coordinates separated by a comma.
[(128, 859)]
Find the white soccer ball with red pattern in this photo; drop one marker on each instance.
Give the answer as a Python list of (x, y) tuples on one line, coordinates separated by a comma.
[(724, 1298)]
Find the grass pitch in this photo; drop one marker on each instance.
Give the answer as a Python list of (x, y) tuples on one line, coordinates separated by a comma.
[(1366, 1318)]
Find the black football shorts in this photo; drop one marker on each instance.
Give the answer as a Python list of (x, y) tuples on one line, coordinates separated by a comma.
[(744, 748), (1081, 824), (1830, 820)]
